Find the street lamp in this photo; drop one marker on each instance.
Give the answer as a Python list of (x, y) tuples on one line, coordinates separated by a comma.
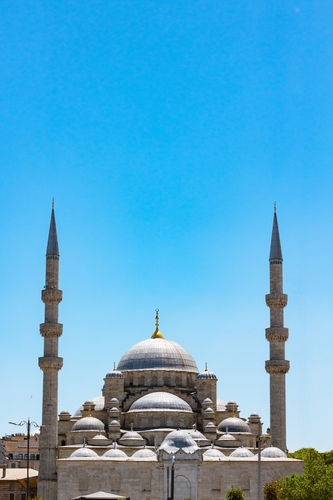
[(172, 478), (28, 424), (259, 460)]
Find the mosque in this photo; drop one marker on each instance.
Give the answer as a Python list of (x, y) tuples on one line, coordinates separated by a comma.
[(158, 430)]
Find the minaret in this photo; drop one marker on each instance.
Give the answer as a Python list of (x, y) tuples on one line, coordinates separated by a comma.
[(50, 363), (277, 366)]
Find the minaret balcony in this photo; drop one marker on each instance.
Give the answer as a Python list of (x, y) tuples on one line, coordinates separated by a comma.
[(50, 330), (275, 366), (51, 363), (276, 299), (277, 334), (50, 295)]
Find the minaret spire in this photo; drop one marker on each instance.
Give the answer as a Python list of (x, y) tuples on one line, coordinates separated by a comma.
[(277, 334), (50, 363)]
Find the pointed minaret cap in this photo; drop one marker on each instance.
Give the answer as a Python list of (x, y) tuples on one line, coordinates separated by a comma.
[(275, 252), (52, 242), (157, 334)]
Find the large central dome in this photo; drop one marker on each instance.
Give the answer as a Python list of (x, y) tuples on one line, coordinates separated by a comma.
[(157, 353)]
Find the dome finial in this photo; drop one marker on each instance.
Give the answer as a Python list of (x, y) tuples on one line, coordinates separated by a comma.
[(206, 367), (157, 334), (114, 366), (275, 207)]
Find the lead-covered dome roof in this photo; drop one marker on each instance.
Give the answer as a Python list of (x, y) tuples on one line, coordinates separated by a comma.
[(179, 440), (88, 424), (160, 401), (233, 424), (157, 353)]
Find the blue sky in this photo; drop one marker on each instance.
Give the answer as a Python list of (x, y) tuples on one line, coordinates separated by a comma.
[(166, 131)]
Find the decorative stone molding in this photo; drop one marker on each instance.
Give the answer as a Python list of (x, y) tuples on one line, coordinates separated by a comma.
[(274, 366), (50, 330), (277, 334), (50, 363), (50, 295), (276, 299)]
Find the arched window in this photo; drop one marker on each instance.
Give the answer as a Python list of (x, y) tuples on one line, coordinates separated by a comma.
[(115, 482), (215, 481), (244, 481), (83, 481), (146, 482)]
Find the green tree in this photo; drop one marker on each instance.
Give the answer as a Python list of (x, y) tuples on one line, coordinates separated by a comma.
[(272, 491), (235, 494), (315, 483)]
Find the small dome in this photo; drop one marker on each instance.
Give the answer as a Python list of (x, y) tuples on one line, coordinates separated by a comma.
[(157, 401), (132, 438), (255, 415), (64, 412), (144, 454), (83, 452), (207, 375), (114, 400), (88, 424), (179, 440), (207, 401), (100, 437), (233, 424), (114, 409), (273, 452), (242, 453), (231, 402), (114, 423), (227, 437), (198, 437), (213, 453), (114, 374), (157, 353), (209, 410), (116, 454)]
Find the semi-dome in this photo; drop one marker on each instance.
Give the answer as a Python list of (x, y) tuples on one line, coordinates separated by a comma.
[(88, 424), (220, 404), (98, 401), (157, 353), (160, 401), (242, 453), (179, 440), (273, 452), (233, 424), (83, 452)]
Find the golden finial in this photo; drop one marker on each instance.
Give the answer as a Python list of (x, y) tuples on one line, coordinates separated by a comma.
[(206, 368), (53, 203), (157, 334), (114, 366), (275, 207)]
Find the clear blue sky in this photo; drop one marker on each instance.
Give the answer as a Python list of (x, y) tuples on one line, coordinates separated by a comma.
[(166, 130)]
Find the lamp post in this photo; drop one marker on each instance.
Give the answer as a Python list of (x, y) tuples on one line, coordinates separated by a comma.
[(172, 478), (28, 423), (259, 460)]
